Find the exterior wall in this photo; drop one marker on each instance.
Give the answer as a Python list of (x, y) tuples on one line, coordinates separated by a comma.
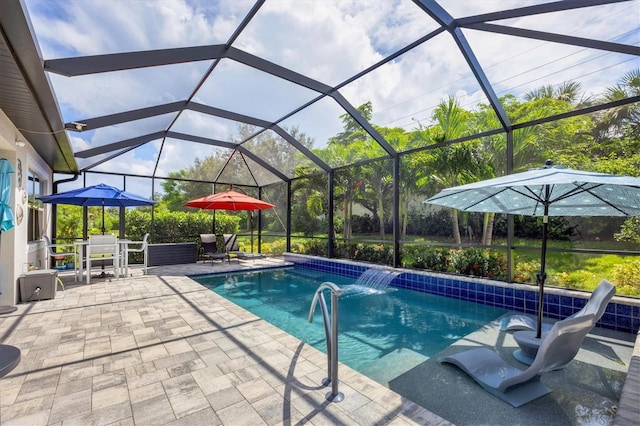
[(622, 313), (15, 253)]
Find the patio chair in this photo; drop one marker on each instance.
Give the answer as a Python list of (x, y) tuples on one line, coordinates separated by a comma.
[(138, 247), (54, 252), (231, 246), (519, 387), (100, 249), (210, 249), (526, 337), (596, 304)]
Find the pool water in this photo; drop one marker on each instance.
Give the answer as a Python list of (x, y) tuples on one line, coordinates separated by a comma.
[(383, 331)]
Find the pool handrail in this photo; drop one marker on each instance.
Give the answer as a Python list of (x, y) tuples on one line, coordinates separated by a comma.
[(331, 335)]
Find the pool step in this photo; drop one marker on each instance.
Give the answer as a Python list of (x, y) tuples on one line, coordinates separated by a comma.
[(393, 365)]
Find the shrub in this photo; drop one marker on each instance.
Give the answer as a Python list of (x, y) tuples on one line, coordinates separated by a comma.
[(376, 253), (579, 280), (364, 224), (469, 261), (437, 223), (530, 227), (478, 262), (525, 272), (275, 247), (316, 248), (626, 276), (437, 259)]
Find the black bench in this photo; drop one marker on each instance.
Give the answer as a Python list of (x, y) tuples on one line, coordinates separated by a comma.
[(171, 254)]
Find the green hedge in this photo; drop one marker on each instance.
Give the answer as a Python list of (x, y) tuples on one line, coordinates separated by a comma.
[(469, 261), (176, 227), (476, 262)]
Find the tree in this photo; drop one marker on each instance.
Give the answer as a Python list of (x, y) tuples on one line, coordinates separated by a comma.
[(458, 163), (347, 147), (569, 92), (534, 144), (622, 120)]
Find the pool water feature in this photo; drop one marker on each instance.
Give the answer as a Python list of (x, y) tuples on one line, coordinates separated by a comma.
[(376, 279), (382, 333)]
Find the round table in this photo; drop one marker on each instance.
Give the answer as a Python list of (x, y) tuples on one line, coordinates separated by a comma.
[(9, 359), (529, 345), (7, 309)]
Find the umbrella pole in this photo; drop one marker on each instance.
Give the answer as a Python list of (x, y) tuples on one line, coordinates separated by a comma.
[(251, 228), (103, 218), (103, 273), (542, 275)]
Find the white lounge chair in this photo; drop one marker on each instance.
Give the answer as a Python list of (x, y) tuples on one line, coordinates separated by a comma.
[(519, 387), (596, 304), (527, 327)]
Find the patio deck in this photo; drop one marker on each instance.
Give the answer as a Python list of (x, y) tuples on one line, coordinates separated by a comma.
[(161, 349)]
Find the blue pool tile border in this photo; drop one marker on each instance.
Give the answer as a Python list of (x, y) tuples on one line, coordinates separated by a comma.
[(622, 314)]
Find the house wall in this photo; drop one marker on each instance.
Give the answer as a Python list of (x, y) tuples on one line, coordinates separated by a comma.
[(16, 254)]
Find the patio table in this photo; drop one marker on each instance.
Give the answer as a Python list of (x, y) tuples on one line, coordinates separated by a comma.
[(9, 359), (81, 249)]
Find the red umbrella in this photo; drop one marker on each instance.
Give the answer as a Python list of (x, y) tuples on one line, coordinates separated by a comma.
[(231, 200)]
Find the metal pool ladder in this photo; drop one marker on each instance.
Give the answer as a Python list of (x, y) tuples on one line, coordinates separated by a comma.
[(331, 334)]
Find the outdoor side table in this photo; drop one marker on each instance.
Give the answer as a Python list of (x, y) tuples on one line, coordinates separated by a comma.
[(9, 359), (529, 345)]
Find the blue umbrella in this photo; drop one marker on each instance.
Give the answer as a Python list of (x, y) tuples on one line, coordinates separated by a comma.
[(6, 215), (547, 191), (98, 195)]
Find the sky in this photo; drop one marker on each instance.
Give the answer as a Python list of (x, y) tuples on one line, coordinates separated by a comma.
[(329, 41)]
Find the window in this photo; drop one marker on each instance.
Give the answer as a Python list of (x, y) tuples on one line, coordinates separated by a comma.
[(35, 217)]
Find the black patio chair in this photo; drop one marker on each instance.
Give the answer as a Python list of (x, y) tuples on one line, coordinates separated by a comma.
[(210, 248)]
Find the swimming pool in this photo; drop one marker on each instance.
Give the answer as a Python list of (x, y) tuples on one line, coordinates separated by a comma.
[(383, 332)]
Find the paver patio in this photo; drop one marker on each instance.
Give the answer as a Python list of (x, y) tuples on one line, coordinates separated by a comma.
[(161, 349)]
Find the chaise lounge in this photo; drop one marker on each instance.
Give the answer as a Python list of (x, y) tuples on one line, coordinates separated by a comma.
[(527, 327), (210, 248), (519, 387)]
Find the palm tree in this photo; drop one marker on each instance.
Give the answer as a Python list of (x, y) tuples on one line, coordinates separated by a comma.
[(615, 120), (458, 163), (568, 91)]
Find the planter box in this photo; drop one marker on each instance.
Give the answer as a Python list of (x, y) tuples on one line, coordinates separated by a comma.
[(38, 285), (171, 254)]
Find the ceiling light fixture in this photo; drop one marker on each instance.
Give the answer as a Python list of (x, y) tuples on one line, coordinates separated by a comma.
[(20, 143)]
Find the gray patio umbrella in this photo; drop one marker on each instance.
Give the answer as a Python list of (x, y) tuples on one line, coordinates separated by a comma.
[(547, 191)]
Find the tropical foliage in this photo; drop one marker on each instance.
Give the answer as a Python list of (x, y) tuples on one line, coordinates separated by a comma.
[(457, 146)]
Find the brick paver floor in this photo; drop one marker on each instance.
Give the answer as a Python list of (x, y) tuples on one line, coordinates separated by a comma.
[(161, 349)]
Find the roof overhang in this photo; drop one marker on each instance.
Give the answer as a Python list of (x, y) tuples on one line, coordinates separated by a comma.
[(26, 96)]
